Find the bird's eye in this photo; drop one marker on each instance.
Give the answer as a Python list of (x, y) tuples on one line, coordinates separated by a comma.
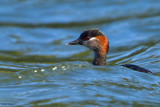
[(86, 38)]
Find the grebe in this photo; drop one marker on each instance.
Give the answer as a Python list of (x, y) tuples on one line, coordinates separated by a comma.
[(98, 42)]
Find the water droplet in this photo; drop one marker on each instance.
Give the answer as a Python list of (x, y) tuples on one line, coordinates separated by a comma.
[(35, 70), (42, 70), (54, 68), (19, 77), (64, 68)]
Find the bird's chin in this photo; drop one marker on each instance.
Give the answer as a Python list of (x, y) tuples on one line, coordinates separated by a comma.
[(88, 47)]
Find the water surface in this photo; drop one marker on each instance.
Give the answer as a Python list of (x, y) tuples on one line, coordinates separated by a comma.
[(38, 69)]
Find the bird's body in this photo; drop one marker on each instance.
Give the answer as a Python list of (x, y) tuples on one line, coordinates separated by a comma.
[(96, 40)]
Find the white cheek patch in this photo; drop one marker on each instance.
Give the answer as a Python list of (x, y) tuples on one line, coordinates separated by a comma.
[(93, 38)]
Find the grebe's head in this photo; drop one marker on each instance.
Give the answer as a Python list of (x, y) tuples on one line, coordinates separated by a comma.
[(94, 39)]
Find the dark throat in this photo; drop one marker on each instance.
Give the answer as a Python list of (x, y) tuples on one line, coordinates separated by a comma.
[(99, 59)]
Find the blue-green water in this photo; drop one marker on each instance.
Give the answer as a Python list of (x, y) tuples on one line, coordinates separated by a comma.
[(38, 69)]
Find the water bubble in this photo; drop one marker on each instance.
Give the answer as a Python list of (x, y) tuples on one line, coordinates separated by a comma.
[(54, 68), (64, 68), (42, 70)]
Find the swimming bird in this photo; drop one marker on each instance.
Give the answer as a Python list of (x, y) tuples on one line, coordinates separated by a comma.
[(98, 42)]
